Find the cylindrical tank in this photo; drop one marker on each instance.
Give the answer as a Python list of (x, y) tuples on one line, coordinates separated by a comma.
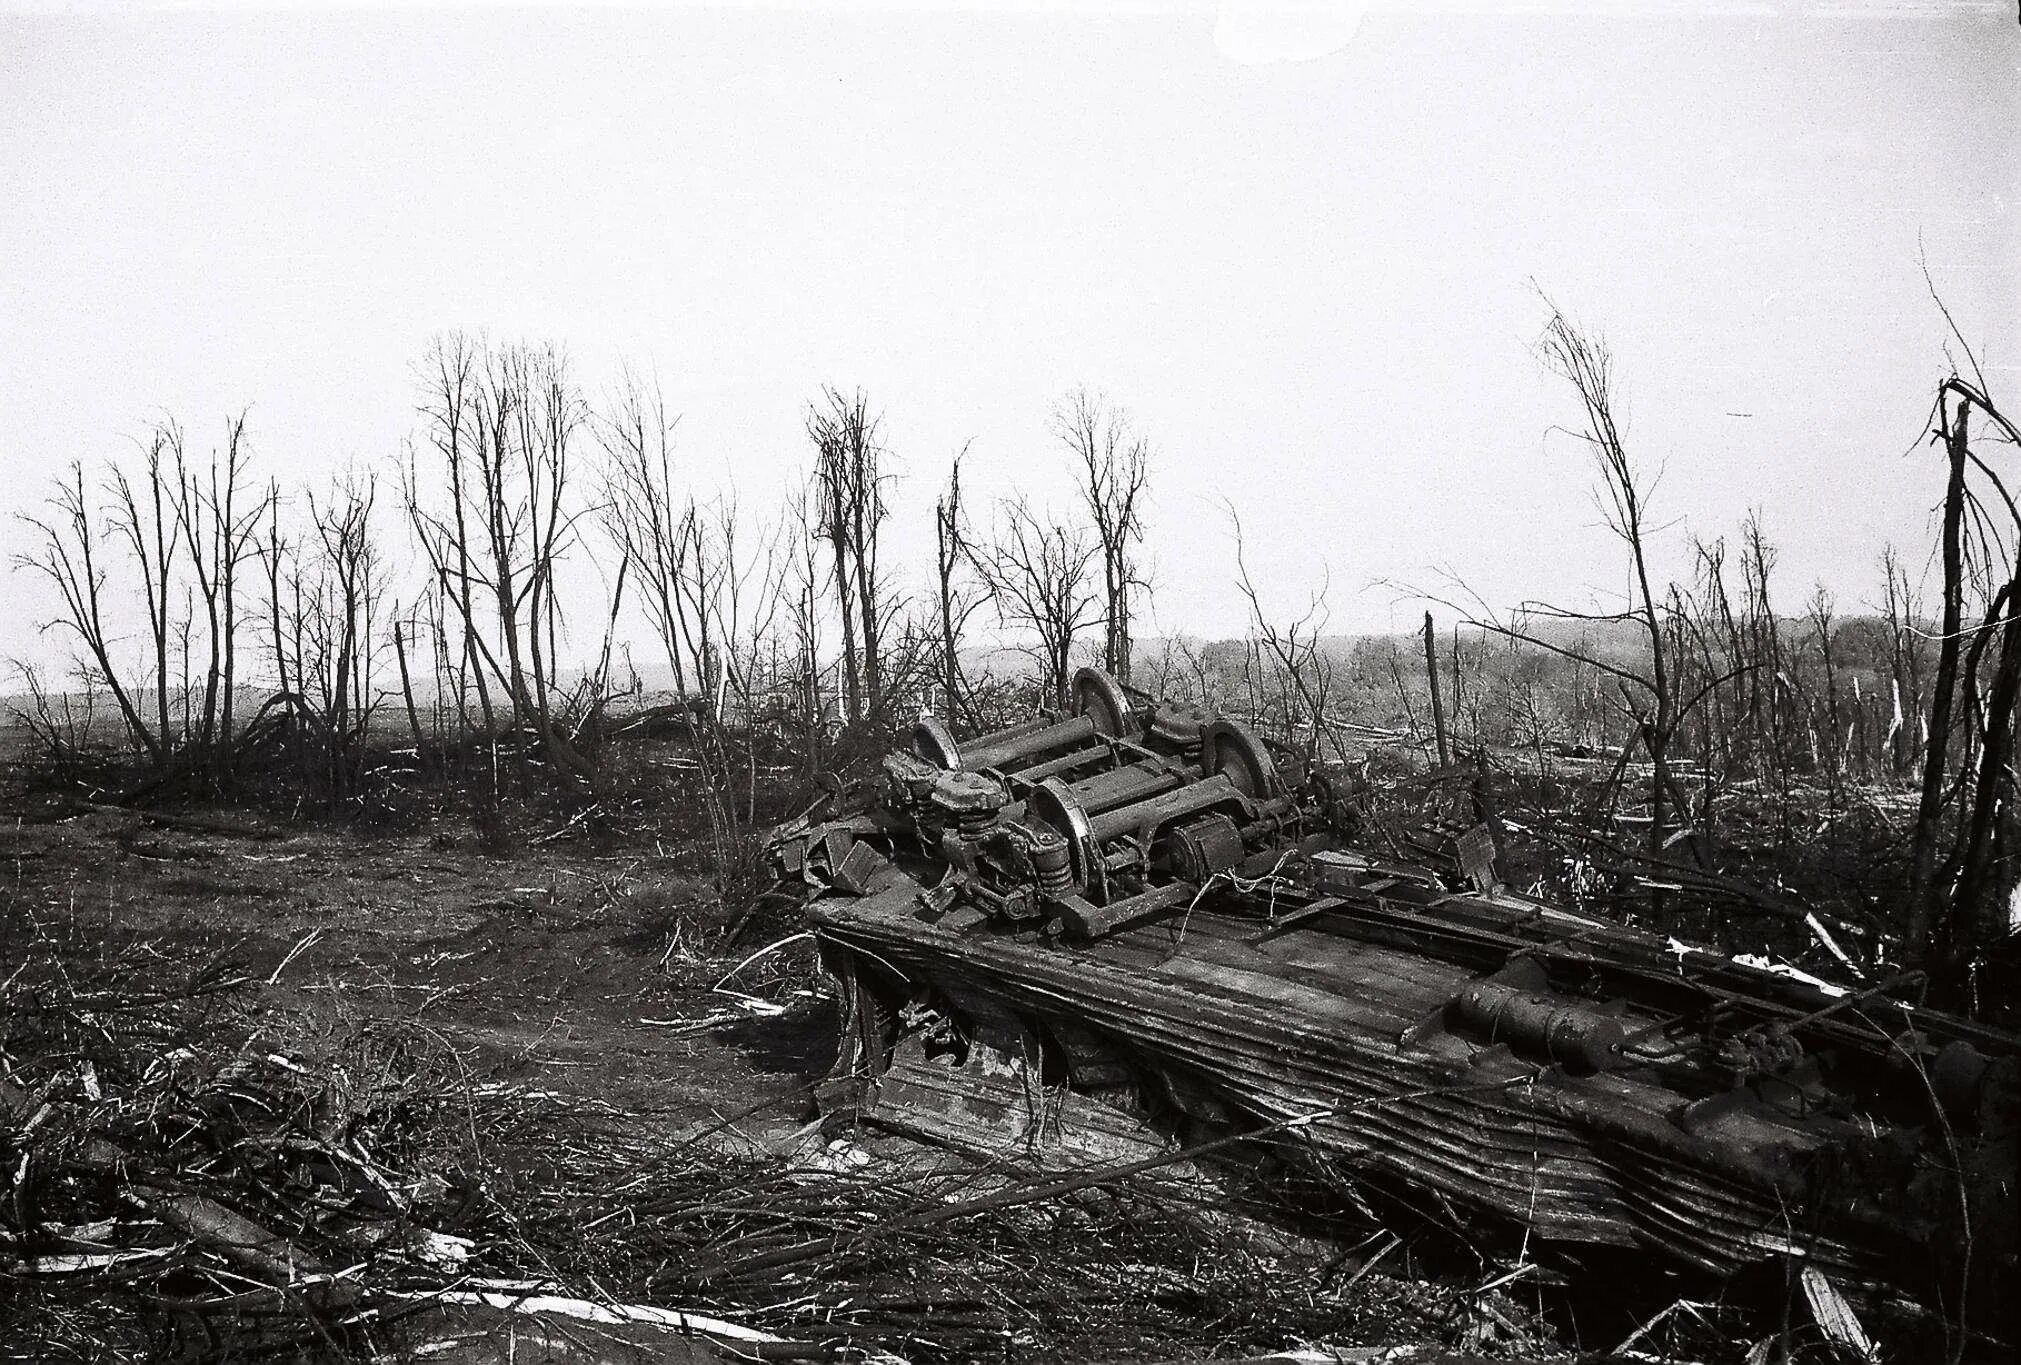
[(1570, 1034)]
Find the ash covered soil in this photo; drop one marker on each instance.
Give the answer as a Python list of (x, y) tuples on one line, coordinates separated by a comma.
[(580, 972), (570, 970), (553, 1043)]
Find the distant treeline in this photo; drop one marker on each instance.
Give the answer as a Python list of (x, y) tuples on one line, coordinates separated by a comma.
[(227, 625)]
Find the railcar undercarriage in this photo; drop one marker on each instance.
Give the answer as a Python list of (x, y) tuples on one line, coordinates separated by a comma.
[(1126, 927)]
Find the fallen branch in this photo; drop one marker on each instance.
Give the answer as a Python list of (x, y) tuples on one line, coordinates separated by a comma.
[(266, 1256)]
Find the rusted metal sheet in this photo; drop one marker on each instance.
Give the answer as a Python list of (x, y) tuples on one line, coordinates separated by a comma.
[(1131, 919)]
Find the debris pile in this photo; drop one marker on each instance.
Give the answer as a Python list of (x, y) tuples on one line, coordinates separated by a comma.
[(202, 1171), (190, 1176), (1132, 926)]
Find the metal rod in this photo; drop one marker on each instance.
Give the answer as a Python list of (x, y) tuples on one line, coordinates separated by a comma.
[(1159, 809), (1005, 752), (1106, 791)]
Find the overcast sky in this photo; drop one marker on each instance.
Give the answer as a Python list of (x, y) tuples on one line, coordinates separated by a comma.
[(1310, 280)]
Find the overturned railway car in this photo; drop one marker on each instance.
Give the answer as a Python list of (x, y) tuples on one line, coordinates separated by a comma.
[(1125, 926)]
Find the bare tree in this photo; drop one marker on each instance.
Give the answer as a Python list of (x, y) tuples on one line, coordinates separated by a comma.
[(713, 589), (1296, 679), (1113, 468), (1827, 743), (219, 526), (72, 557), (956, 600), (1769, 711), (506, 432), (736, 572), (1650, 687), (849, 483), (1902, 611), (450, 377), (186, 530), (730, 578), (806, 582), (654, 528), (327, 598), (1954, 909), (1623, 494), (1040, 575), (146, 521), (59, 723), (1647, 690)]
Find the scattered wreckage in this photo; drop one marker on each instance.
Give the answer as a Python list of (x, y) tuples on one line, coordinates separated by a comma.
[(1129, 924)]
